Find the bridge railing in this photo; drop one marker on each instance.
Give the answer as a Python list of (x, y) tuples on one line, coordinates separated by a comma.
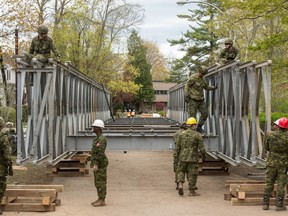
[(60, 101), (233, 110)]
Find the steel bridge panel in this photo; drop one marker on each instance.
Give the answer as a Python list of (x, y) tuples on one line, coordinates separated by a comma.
[(233, 109)]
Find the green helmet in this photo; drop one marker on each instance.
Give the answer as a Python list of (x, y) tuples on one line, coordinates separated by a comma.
[(228, 41), (42, 29), (203, 70), (2, 122)]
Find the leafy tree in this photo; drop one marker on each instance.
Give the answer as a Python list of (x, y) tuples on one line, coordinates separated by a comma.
[(138, 53), (159, 69), (200, 41)]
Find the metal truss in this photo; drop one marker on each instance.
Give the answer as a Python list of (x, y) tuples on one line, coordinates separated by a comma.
[(233, 110), (61, 101)]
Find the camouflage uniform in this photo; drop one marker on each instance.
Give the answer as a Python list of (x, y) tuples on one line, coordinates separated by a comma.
[(183, 127), (277, 162), (41, 48), (229, 55), (98, 157), (189, 143), (194, 90), (5, 161)]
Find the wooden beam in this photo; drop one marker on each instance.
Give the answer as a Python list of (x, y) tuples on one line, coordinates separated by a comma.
[(58, 188), (30, 193), (28, 207)]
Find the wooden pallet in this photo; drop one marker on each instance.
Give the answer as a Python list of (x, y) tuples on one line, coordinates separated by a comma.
[(248, 193), (213, 167), (74, 166), (31, 198)]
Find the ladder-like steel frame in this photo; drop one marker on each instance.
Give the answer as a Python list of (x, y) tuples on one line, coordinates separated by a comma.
[(233, 110), (61, 101)]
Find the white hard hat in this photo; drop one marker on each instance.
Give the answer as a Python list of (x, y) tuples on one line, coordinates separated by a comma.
[(98, 123)]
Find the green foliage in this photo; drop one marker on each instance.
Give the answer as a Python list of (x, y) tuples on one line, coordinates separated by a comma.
[(8, 113), (138, 51), (274, 117), (199, 42)]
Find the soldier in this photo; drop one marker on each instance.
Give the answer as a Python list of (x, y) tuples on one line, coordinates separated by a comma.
[(183, 127), (189, 143), (99, 163), (194, 96), (229, 53), (276, 145), (41, 46), (5, 160)]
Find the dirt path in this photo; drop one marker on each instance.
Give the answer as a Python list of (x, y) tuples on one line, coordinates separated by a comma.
[(142, 184)]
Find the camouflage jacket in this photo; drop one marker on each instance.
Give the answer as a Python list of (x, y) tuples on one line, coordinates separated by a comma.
[(189, 144), (277, 146), (98, 155), (175, 139), (5, 154), (43, 46), (195, 86), (230, 55)]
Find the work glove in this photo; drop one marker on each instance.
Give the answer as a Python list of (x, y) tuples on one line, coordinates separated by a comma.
[(95, 168)]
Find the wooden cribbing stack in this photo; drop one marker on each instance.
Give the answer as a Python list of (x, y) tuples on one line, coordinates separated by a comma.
[(31, 198), (212, 166), (74, 166), (248, 193)]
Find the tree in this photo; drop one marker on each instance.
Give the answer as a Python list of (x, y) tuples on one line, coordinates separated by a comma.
[(159, 69), (200, 41), (138, 52)]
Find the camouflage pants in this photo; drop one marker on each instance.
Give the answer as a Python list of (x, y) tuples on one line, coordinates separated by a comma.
[(271, 175), (194, 106), (175, 168), (2, 186), (100, 181), (191, 171), (41, 57)]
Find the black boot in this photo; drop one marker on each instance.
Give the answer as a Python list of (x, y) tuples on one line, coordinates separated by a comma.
[(265, 203), (279, 203), (177, 186)]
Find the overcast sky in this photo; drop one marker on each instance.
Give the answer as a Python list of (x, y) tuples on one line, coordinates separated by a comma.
[(161, 23)]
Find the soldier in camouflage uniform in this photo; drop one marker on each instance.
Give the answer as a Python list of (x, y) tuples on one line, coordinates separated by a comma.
[(183, 127), (99, 163), (194, 96), (41, 46), (189, 143), (276, 145), (5, 159), (229, 53)]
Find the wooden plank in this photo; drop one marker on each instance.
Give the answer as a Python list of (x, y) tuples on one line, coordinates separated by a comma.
[(58, 188), (248, 181), (253, 201), (46, 201), (28, 207), (6, 200), (30, 193), (248, 187), (70, 164), (241, 195)]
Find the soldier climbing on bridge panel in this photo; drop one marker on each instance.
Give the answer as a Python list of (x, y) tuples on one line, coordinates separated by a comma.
[(229, 53), (194, 96), (41, 46)]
